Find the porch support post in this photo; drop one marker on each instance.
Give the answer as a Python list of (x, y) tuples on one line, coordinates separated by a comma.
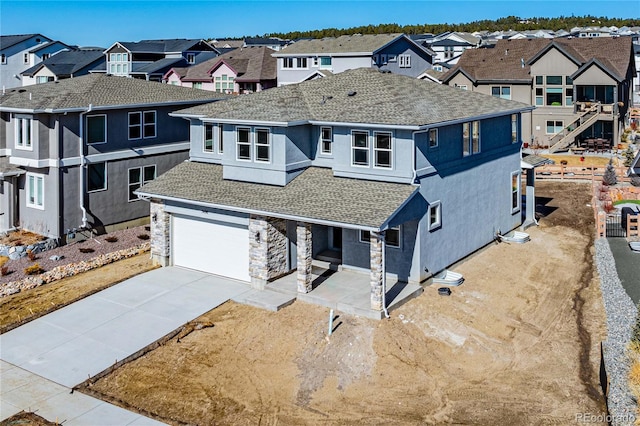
[(304, 242), (376, 270), (530, 200), (160, 233)]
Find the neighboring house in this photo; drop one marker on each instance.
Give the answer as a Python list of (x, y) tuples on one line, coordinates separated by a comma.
[(74, 151), (66, 64), (582, 88), (151, 59), (634, 168), (20, 52), (243, 70), (636, 78), (374, 172), (272, 43), (310, 59), (448, 50)]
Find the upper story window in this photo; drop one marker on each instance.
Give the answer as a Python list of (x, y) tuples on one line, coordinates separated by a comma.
[(208, 137), (470, 138), (503, 92), (294, 63), (45, 56), (434, 215), (44, 79), (460, 86), (96, 129), (553, 90), (220, 139), (514, 128), (224, 83), (3, 59), (433, 138), (325, 62), (24, 133), (243, 142), (404, 61), (326, 140), (197, 85), (382, 150), (25, 58), (301, 62), (96, 177), (139, 176), (260, 138), (119, 63), (191, 58), (35, 191), (359, 148), (437, 68), (142, 125), (263, 145)]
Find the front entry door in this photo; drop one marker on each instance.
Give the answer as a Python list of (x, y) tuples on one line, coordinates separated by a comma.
[(335, 238)]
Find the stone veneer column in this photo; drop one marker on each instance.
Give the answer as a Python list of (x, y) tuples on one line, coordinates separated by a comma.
[(304, 242), (159, 233), (267, 249), (376, 270)]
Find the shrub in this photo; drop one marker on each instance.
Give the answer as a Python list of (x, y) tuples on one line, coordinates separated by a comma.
[(610, 177), (144, 236), (629, 156), (31, 255), (34, 269), (635, 334), (86, 250), (3, 260), (111, 239), (4, 270)]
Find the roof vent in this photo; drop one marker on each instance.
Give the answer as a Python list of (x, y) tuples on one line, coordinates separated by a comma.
[(22, 90), (352, 93)]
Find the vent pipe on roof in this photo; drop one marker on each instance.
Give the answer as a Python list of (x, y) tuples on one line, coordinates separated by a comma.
[(522, 62), (352, 93)]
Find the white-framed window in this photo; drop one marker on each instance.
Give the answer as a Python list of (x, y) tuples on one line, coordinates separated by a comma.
[(404, 61), (197, 85), (43, 79), (433, 138), (45, 56), (3, 59), (191, 58), (142, 125), (208, 137), (24, 133), (35, 191), (316, 61), (470, 138), (383, 59), (325, 62), (392, 237), (96, 177), (243, 143), (138, 176), (475, 137), (25, 58), (503, 92), (224, 83), (554, 126), (326, 140), (437, 68), (382, 151), (514, 128), (220, 139), (262, 145), (434, 215), (287, 62), (515, 192), (119, 63), (96, 129), (359, 148), (460, 86), (301, 62)]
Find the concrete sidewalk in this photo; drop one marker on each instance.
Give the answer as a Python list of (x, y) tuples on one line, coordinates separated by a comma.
[(628, 266), (83, 339)]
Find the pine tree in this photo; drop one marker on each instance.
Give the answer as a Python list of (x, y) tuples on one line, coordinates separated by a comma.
[(609, 177)]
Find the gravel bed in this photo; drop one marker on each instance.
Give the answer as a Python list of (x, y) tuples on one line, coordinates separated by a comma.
[(70, 253), (621, 316)]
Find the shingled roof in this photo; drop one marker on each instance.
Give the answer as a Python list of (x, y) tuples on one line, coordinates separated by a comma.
[(7, 41), (504, 61), (346, 44), (99, 91), (355, 202), (66, 63), (361, 95)]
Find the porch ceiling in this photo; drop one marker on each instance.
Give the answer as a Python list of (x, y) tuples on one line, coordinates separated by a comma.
[(315, 196)]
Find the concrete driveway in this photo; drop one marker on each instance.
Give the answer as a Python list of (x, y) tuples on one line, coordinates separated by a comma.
[(85, 338)]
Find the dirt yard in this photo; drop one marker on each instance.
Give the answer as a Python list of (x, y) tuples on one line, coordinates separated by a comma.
[(517, 343)]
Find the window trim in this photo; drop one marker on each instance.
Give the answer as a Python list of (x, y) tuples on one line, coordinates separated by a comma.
[(546, 128), (204, 138), (376, 149), (323, 140), (434, 145), (404, 61), (20, 133), (500, 90), (256, 144), (141, 182), (248, 129), (105, 188), (220, 139), (3, 59), (367, 148), (86, 136), (515, 135), (437, 205), (471, 145), (361, 233), (143, 124), (28, 187), (518, 191)]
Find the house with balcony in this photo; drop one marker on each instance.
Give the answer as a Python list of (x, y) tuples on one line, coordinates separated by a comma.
[(151, 59), (20, 52), (582, 88), (384, 176), (66, 64), (242, 70), (72, 152), (316, 58)]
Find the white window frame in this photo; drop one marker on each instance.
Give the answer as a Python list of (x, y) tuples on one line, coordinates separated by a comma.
[(288, 63), (364, 237), (105, 187), (555, 122), (432, 135), (514, 129), (461, 86), (367, 149), (315, 61), (204, 138), (517, 191), (143, 124), (323, 140), (220, 139), (376, 150), (326, 67), (395, 228), (25, 58), (501, 94), (87, 129), (238, 143), (404, 61), (475, 136), (256, 144), (31, 186), (191, 58), (142, 180), (436, 207), (24, 133)]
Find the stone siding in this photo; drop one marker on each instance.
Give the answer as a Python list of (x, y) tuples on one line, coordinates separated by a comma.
[(268, 249), (376, 271), (305, 249), (160, 233)]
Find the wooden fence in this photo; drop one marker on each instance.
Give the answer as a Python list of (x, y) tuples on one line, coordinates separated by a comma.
[(578, 173)]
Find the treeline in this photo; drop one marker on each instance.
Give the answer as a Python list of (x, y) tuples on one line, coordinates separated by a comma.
[(503, 24)]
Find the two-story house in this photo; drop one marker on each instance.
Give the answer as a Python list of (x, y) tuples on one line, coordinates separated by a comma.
[(66, 64), (448, 47), (309, 59), (582, 88), (379, 173), (243, 70), (20, 52), (151, 59), (75, 150)]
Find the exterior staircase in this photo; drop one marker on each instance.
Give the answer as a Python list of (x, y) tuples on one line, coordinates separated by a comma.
[(566, 137)]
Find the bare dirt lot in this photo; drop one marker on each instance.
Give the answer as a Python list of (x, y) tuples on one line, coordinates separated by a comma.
[(517, 343)]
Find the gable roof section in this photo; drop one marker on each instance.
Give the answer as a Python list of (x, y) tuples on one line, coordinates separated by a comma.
[(604, 64), (162, 46), (355, 202), (360, 95), (340, 46), (48, 44), (7, 41), (99, 91), (67, 63)]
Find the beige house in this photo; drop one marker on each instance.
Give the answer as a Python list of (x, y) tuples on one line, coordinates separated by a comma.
[(582, 88)]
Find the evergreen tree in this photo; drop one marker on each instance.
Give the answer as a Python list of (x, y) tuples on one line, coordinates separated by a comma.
[(610, 177)]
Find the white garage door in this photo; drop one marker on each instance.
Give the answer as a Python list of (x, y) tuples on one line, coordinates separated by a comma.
[(221, 249)]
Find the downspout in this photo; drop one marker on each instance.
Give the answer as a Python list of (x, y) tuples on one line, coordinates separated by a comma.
[(413, 153), (384, 275), (82, 165)]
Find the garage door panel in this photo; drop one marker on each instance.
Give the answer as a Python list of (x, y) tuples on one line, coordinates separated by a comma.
[(214, 247)]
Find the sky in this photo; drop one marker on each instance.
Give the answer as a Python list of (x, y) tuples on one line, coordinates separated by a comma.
[(103, 22)]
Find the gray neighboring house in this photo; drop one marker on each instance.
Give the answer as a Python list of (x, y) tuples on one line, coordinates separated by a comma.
[(67, 64), (20, 52), (310, 59), (72, 152), (374, 172)]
